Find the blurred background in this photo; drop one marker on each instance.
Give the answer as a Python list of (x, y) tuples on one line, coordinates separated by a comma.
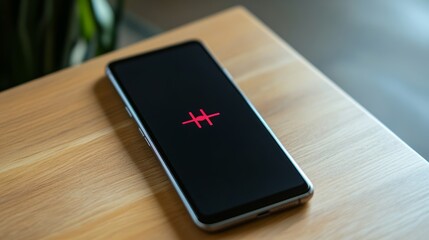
[(377, 51)]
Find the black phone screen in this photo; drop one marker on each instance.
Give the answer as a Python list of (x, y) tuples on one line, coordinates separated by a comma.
[(223, 157)]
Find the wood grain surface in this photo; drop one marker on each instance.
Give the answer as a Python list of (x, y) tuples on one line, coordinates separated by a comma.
[(73, 165)]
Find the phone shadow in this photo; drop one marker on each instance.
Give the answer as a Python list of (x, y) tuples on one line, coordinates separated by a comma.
[(160, 186)]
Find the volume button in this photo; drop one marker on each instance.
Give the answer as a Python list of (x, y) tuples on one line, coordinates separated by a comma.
[(141, 132), (147, 142), (128, 111)]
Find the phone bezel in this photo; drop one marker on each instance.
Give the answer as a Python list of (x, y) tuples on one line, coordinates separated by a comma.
[(228, 217)]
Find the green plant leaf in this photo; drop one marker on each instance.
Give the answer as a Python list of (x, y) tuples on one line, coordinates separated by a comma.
[(86, 18)]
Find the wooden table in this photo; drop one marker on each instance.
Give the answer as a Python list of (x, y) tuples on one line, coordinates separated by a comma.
[(73, 165)]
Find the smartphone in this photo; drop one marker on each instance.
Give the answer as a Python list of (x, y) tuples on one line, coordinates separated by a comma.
[(225, 163)]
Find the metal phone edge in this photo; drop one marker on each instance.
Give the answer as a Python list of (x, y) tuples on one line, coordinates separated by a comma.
[(237, 219)]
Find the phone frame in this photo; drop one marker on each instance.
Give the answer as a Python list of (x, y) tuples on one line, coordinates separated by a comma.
[(263, 211)]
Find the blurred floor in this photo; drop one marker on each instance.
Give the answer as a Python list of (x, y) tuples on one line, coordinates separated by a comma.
[(377, 51)]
